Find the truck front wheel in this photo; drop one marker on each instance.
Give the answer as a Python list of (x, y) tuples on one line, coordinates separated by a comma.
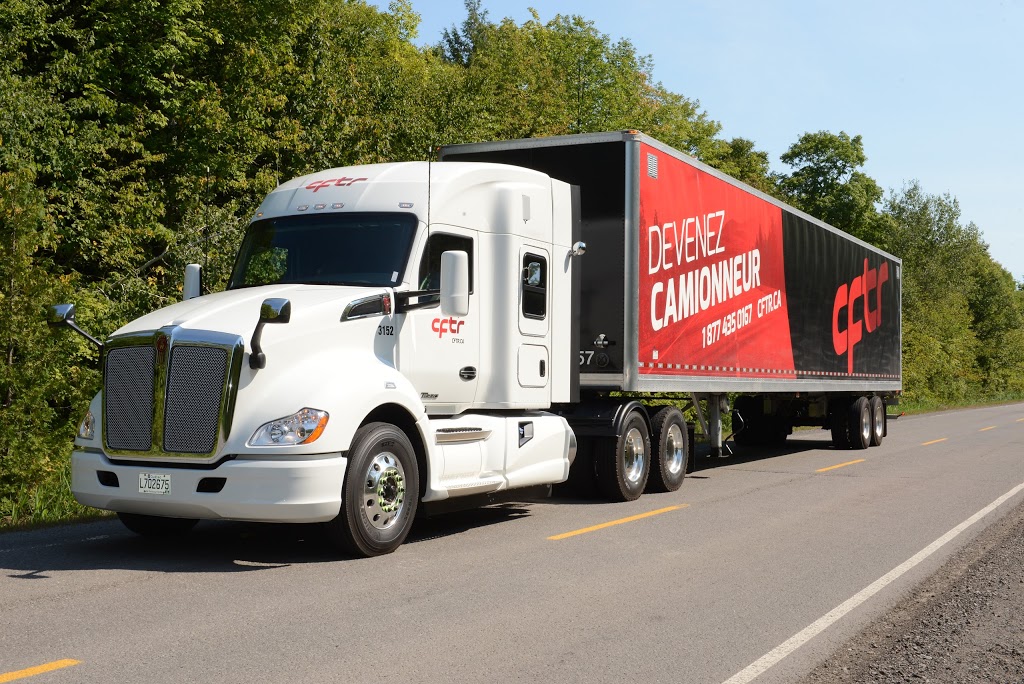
[(380, 493)]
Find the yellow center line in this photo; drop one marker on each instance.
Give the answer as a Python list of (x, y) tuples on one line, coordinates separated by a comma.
[(1020, 420), (986, 429), (37, 670), (935, 441), (620, 521), (841, 465)]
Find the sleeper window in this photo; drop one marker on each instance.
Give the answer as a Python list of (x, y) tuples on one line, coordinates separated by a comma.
[(534, 284)]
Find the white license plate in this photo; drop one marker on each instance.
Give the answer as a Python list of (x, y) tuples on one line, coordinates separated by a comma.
[(154, 483)]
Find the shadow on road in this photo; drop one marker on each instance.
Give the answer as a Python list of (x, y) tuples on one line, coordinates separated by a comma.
[(743, 455), (223, 547), (212, 546)]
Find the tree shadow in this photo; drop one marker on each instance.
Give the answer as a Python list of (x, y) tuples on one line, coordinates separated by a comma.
[(213, 546)]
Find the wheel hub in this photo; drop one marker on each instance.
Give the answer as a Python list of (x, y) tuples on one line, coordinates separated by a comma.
[(633, 458), (384, 491), (674, 455)]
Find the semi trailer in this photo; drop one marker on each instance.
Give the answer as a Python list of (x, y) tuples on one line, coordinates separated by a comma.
[(404, 335)]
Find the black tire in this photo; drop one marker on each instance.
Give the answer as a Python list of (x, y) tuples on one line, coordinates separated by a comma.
[(622, 472), (840, 425), (878, 427), (156, 526), (859, 423), (670, 450), (582, 482), (380, 493)]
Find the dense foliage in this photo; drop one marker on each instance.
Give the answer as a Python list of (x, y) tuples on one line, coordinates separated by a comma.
[(136, 137)]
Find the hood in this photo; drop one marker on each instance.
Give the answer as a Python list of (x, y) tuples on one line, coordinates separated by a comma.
[(238, 311)]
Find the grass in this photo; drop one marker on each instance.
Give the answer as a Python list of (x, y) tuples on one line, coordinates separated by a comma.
[(917, 406), (47, 503)]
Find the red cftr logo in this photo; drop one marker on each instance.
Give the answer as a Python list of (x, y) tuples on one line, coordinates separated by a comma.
[(862, 287), (315, 186), (444, 326)]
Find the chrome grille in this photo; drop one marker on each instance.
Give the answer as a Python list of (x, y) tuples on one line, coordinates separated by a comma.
[(169, 394), (128, 398), (195, 385)]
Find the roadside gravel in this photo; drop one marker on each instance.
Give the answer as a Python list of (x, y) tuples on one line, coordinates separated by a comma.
[(965, 623)]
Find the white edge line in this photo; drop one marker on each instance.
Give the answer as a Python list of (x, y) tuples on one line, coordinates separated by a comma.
[(759, 666)]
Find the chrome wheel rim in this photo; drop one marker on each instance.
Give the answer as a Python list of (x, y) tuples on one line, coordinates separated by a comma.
[(674, 452), (384, 491), (634, 456), (865, 425), (879, 419)]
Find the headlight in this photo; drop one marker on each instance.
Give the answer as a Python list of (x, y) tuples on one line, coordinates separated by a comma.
[(304, 427), (87, 428)]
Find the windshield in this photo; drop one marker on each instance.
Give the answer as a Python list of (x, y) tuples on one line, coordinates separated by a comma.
[(326, 249)]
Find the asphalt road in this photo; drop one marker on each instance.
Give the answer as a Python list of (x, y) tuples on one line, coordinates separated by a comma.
[(756, 570)]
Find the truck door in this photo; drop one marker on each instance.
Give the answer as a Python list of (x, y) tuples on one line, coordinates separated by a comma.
[(440, 354), (534, 349)]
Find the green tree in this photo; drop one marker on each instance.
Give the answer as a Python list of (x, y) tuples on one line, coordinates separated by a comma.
[(827, 184)]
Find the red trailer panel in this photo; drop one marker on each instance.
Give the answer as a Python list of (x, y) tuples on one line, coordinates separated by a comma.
[(712, 276)]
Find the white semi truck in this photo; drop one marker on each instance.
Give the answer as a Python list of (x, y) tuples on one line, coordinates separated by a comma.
[(403, 334)]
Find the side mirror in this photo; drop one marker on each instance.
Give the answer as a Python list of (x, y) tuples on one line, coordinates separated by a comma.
[(193, 282), (273, 310), (532, 275), (454, 283), (64, 314), (61, 314)]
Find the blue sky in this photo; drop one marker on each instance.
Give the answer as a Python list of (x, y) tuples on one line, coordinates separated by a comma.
[(936, 88)]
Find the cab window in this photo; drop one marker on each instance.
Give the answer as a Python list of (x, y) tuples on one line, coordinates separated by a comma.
[(430, 266)]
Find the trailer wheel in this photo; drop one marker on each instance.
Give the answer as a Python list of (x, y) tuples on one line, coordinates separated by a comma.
[(859, 418), (671, 451), (156, 526), (877, 420), (380, 492), (840, 425), (622, 473)]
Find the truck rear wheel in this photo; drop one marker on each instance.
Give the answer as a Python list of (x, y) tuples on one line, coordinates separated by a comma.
[(671, 450), (380, 493), (859, 417), (156, 526), (877, 420), (622, 473)]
